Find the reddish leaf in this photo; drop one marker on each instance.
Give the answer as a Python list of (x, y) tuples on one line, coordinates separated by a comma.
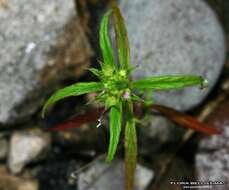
[(79, 120), (174, 115), (184, 120)]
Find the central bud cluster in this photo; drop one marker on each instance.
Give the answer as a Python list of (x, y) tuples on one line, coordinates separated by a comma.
[(116, 86)]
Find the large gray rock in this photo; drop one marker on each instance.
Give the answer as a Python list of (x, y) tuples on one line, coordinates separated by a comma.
[(103, 176), (41, 41), (175, 37)]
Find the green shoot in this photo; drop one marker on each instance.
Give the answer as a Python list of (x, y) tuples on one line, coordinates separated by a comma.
[(117, 89)]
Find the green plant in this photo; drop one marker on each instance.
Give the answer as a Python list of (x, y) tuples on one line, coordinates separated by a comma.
[(118, 91)]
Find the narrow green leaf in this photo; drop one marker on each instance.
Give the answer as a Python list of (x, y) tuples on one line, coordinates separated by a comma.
[(130, 149), (169, 82), (136, 98), (115, 129), (121, 37), (105, 44), (95, 72), (72, 90)]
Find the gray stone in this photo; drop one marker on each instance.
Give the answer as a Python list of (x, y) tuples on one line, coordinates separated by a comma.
[(212, 159), (103, 176), (158, 128), (213, 164), (41, 42), (175, 37), (158, 132), (26, 147)]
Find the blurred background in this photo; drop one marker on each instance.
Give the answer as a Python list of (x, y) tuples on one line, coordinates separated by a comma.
[(46, 45)]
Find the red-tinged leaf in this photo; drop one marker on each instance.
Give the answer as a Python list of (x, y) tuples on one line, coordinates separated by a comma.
[(121, 37), (184, 120), (79, 120)]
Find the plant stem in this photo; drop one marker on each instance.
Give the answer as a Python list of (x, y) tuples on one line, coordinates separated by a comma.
[(130, 148)]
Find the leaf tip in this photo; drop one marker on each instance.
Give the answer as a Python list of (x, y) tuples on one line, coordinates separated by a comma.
[(44, 108), (204, 83), (43, 111)]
